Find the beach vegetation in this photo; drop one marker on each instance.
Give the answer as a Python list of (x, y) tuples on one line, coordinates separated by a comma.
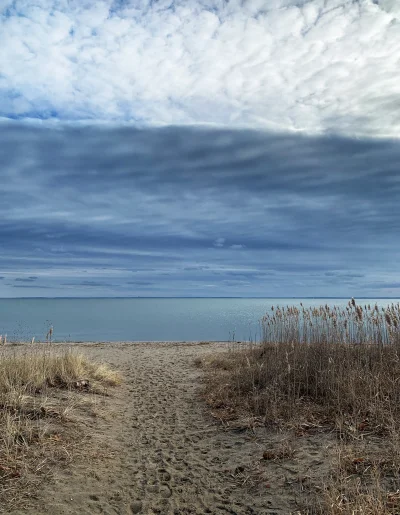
[(40, 389), (329, 370)]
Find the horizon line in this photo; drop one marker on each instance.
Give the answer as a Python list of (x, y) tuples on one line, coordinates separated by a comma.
[(203, 297)]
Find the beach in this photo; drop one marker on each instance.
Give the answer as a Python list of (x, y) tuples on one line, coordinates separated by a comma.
[(157, 449)]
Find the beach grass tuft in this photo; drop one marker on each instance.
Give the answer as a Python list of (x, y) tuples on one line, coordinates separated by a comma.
[(34, 412)]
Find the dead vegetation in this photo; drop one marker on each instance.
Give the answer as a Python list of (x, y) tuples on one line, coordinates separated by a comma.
[(40, 391), (323, 370)]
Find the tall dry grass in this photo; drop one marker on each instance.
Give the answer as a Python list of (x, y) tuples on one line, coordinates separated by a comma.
[(331, 369), (32, 415), (355, 324)]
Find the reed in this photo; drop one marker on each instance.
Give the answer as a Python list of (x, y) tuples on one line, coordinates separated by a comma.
[(354, 324), (330, 368)]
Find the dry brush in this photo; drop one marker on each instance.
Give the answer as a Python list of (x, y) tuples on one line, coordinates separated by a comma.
[(332, 369)]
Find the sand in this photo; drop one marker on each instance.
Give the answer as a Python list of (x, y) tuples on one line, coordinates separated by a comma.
[(157, 449)]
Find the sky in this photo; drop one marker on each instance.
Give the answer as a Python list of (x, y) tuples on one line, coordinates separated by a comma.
[(200, 148)]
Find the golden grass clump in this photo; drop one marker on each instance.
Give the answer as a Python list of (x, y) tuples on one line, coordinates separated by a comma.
[(332, 369), (32, 414), (29, 372)]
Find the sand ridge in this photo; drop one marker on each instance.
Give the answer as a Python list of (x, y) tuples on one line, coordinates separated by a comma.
[(159, 452)]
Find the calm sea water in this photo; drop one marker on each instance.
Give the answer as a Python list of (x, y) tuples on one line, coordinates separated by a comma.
[(143, 319)]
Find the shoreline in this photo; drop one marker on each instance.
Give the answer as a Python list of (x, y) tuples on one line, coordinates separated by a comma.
[(118, 342)]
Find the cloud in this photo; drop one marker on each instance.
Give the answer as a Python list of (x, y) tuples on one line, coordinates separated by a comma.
[(94, 284), (25, 279), (282, 65), (35, 287), (219, 242), (384, 285), (140, 283), (131, 211)]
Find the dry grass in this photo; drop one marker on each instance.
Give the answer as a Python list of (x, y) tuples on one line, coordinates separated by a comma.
[(39, 390), (364, 479), (353, 324), (339, 385), (326, 369)]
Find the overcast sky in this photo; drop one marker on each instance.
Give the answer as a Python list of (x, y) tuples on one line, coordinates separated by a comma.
[(200, 148)]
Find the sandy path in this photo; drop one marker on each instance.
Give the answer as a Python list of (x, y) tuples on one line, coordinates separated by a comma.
[(159, 452)]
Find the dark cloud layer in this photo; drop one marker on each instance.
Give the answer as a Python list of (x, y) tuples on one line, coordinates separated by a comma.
[(184, 211)]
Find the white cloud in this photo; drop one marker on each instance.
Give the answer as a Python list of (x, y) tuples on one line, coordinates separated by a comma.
[(313, 65)]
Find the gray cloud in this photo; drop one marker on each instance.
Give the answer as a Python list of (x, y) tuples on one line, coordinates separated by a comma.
[(163, 212), (37, 288), (219, 242), (282, 65), (26, 279), (394, 285)]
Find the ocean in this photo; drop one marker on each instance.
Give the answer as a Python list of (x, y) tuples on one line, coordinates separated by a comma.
[(144, 319)]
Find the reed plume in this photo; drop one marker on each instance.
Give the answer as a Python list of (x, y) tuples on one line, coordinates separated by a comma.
[(354, 325)]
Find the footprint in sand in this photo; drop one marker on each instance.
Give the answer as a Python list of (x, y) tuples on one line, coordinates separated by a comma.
[(136, 507), (165, 491), (165, 476), (153, 489)]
